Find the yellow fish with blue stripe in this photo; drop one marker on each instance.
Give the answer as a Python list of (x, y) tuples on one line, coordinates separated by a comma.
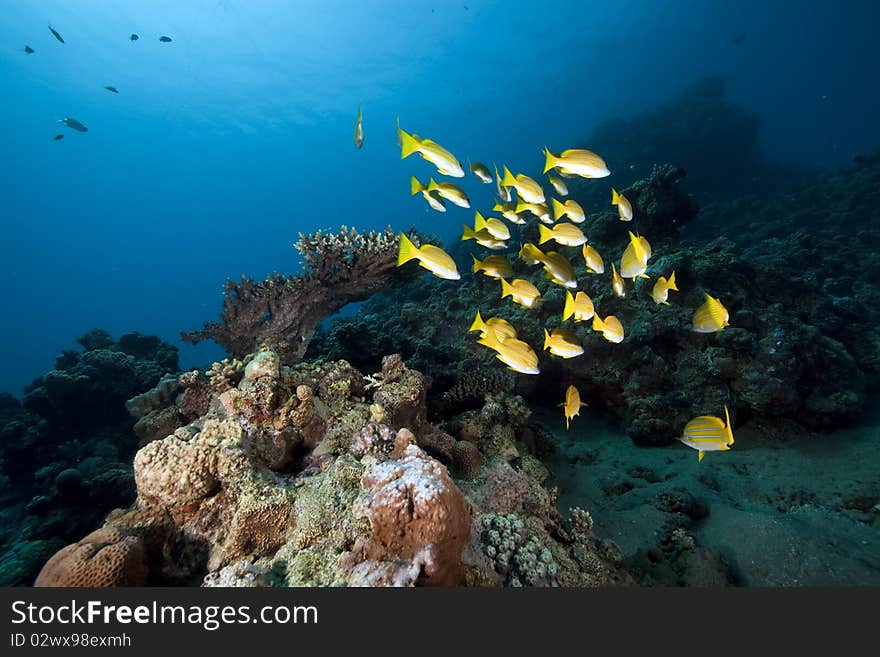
[(708, 433), (503, 192), (593, 261), (508, 211), (711, 317), (660, 293), (521, 291), (571, 209), (500, 327), (482, 237), (540, 210), (634, 261), (526, 188), (416, 187), (531, 254), (431, 151), (572, 404), (559, 269), (580, 306), (494, 266), (514, 353), (562, 343), (431, 257), (451, 192), (611, 328), (624, 207), (496, 227), (617, 282), (577, 162), (562, 233), (559, 185)]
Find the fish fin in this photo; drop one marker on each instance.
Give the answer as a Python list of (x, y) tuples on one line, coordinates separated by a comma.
[(415, 186), (545, 234), (506, 288), (478, 324), (700, 457), (665, 303), (550, 160), (558, 208), (508, 180), (729, 428), (408, 250), (568, 309), (643, 275), (546, 339), (408, 143), (670, 284), (467, 233)]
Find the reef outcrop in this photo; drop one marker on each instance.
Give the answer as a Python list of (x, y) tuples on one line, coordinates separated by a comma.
[(316, 474)]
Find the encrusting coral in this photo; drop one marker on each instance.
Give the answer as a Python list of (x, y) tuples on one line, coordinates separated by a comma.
[(283, 311)]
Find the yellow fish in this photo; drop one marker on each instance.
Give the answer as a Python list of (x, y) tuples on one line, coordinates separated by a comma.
[(576, 161), (711, 317), (559, 269), (624, 207), (531, 254), (611, 328), (359, 130), (516, 354), (571, 208), (494, 266), (508, 211), (500, 327), (634, 261), (559, 185), (563, 233), (430, 151), (521, 291), (415, 187), (482, 237), (527, 189), (503, 192), (562, 343), (593, 260), (617, 282), (432, 258), (661, 289), (708, 433), (481, 171), (496, 227), (579, 306), (451, 192), (540, 210), (572, 404)]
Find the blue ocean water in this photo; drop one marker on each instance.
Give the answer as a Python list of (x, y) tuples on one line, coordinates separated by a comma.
[(226, 142)]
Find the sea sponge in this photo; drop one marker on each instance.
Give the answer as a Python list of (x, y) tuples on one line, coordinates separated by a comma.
[(106, 557)]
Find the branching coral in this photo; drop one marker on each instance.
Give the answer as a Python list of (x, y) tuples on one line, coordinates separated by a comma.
[(283, 311)]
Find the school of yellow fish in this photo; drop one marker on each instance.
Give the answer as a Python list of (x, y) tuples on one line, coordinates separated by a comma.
[(521, 198)]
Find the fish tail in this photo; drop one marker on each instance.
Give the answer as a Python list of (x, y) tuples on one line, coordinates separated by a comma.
[(558, 208), (478, 324), (729, 428), (550, 160), (670, 284), (566, 423), (408, 143), (477, 265), (508, 180), (545, 233), (408, 250), (432, 185), (597, 323), (568, 310), (415, 186), (521, 206), (467, 233), (546, 339), (506, 288), (479, 222), (615, 197)]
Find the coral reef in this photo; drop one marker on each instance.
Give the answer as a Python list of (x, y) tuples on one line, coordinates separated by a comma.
[(283, 311), (285, 480), (106, 557), (66, 449)]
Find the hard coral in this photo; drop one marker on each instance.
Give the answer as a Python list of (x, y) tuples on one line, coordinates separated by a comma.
[(106, 557)]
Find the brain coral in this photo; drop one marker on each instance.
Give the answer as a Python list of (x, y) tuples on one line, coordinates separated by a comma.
[(106, 557)]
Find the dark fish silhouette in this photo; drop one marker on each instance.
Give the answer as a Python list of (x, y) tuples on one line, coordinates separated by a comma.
[(73, 123), (134, 37), (165, 39), (112, 88), (59, 137), (55, 34), (28, 50)]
